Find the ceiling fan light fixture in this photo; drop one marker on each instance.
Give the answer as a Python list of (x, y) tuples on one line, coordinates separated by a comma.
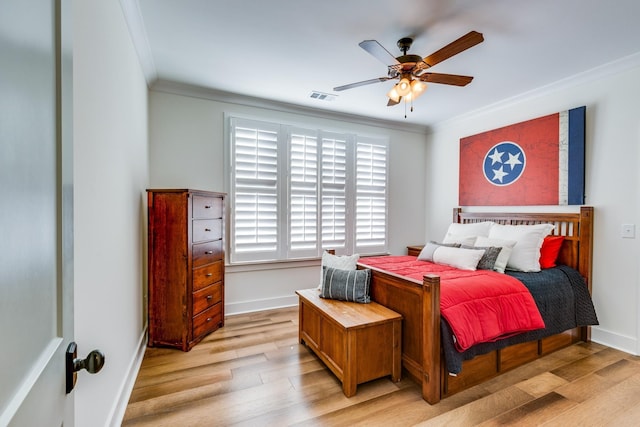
[(417, 88), (393, 94), (403, 87)]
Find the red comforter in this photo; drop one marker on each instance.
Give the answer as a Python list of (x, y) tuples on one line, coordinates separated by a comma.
[(480, 306)]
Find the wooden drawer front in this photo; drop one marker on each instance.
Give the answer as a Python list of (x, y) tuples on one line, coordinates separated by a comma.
[(516, 355), (207, 321), (207, 207), (205, 298), (207, 229), (207, 275), (471, 369), (556, 342), (206, 253)]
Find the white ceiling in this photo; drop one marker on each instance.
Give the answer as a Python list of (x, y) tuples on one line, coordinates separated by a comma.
[(283, 50)]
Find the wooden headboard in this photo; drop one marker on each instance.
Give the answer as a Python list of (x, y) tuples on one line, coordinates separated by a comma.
[(577, 248)]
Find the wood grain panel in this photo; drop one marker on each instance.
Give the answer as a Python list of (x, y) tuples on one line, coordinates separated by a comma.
[(207, 207), (205, 276), (206, 253), (206, 297), (207, 229), (518, 354)]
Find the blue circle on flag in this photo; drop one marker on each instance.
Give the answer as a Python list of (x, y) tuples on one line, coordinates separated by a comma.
[(504, 163)]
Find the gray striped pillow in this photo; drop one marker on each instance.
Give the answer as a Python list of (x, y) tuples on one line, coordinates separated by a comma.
[(346, 285)]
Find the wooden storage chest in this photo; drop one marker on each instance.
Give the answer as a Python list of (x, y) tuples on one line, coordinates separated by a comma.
[(358, 342)]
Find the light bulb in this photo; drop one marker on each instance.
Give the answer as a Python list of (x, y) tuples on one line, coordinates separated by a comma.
[(393, 94), (403, 87), (417, 88)]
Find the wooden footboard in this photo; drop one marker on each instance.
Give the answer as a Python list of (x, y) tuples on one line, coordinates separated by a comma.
[(419, 304)]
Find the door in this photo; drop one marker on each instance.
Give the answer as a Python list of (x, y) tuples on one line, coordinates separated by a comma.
[(36, 236)]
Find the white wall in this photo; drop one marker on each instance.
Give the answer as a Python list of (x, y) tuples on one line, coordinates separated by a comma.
[(611, 96), (186, 151), (110, 177)]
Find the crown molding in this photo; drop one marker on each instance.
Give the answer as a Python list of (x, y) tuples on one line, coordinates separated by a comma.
[(194, 91), (602, 71), (135, 23)]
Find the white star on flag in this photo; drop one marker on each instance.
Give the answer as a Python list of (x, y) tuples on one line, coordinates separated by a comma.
[(513, 160), (498, 174), (496, 157)]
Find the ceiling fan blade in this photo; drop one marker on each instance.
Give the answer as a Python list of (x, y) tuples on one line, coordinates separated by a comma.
[(470, 39), (447, 79), (379, 52), (362, 83)]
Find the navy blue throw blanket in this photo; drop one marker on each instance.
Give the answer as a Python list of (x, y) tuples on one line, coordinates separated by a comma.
[(564, 303)]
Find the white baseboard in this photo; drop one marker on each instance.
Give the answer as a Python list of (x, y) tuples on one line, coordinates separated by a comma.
[(259, 305), (614, 340), (120, 407)]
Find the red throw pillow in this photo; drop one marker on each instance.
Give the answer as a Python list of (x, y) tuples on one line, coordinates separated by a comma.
[(550, 250)]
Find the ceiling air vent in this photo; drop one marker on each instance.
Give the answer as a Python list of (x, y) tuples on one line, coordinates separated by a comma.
[(322, 96)]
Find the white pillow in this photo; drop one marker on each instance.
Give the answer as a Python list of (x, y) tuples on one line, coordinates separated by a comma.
[(460, 240), (426, 254), (341, 262), (525, 255), (505, 253), (464, 259), (461, 233)]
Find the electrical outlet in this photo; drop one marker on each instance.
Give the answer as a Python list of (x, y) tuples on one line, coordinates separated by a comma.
[(628, 231)]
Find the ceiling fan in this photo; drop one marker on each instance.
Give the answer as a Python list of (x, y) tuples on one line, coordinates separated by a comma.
[(410, 69)]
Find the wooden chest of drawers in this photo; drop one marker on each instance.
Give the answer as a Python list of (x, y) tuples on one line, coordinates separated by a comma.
[(186, 266)]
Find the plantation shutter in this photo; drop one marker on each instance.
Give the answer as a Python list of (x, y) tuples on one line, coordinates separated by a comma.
[(303, 194), (334, 187), (255, 187), (371, 187), (295, 192)]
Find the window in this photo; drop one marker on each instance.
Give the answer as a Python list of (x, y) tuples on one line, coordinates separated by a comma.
[(295, 192)]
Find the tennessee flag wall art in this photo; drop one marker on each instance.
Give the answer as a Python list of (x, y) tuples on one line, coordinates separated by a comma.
[(537, 162)]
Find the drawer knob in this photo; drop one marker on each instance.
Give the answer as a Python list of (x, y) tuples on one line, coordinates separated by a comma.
[(208, 319), (208, 252), (209, 297), (209, 274), (207, 206)]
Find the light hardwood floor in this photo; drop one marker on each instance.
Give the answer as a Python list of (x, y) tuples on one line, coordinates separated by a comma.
[(253, 372)]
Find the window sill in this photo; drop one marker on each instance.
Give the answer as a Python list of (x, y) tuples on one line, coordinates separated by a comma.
[(271, 265), (278, 265)]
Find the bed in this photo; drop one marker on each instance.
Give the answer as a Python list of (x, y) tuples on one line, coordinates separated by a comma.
[(423, 346)]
